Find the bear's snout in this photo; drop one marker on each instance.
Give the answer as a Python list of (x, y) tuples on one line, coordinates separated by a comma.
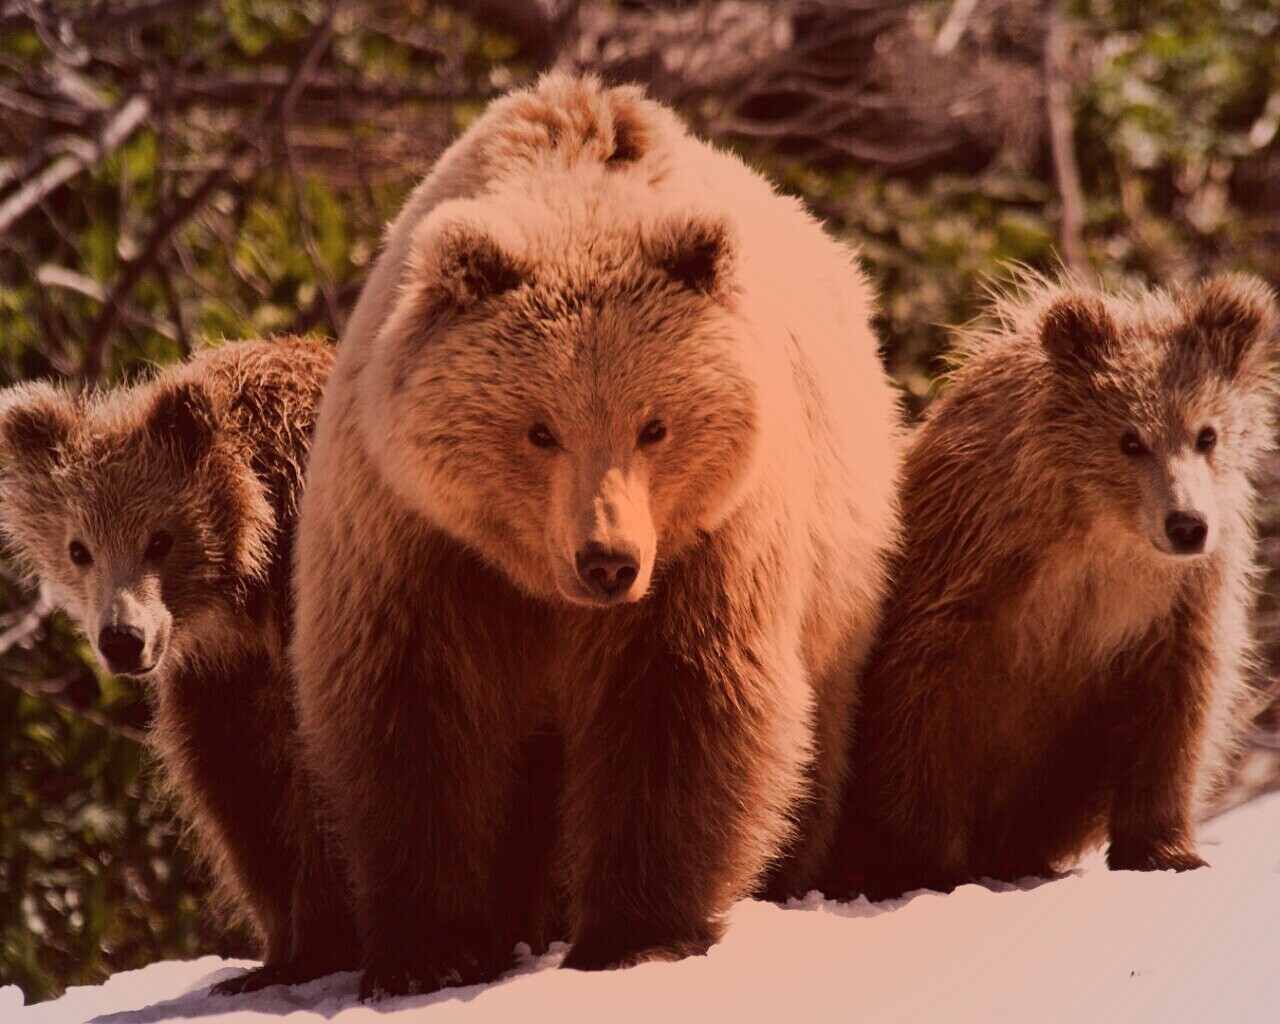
[(608, 573), (121, 648), (1186, 532)]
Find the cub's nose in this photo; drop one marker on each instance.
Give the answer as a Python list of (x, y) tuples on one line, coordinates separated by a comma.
[(121, 647), (1186, 532), (608, 572)]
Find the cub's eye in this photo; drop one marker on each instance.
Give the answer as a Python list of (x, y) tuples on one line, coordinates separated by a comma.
[(161, 544), (79, 553), (1206, 439), (541, 437), (653, 432), (1132, 445)]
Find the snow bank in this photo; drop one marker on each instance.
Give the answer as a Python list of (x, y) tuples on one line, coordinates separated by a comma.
[(1094, 946)]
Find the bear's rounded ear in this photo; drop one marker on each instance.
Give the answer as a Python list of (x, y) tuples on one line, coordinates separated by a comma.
[(695, 252), (182, 418), (468, 264), (630, 128), (36, 422), (1077, 330), (1235, 317)]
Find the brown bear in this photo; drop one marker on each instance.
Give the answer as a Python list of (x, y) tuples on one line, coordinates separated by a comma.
[(162, 515), (608, 456), (1065, 651)]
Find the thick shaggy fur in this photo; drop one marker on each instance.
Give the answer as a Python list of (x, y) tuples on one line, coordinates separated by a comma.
[(1049, 675), (209, 455), (577, 263)]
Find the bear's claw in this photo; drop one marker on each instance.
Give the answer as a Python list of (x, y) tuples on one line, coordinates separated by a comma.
[(605, 955), (252, 980), (458, 968)]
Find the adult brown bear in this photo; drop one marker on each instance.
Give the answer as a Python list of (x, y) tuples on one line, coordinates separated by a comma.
[(608, 452)]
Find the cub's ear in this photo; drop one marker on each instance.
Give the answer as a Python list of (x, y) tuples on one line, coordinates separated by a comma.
[(1235, 317), (695, 252), (467, 263), (1077, 330), (182, 417), (36, 422)]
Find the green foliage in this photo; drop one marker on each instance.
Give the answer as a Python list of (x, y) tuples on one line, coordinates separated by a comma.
[(94, 879)]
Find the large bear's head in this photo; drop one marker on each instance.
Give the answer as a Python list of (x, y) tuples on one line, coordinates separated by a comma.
[(132, 509), (573, 394)]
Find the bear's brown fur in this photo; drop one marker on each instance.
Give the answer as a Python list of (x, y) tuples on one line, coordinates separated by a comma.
[(589, 466), (162, 515), (1051, 673)]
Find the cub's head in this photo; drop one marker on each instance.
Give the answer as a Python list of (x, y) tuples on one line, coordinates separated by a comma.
[(130, 509), (574, 401), (1164, 405)]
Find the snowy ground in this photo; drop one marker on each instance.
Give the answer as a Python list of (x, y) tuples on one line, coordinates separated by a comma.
[(1094, 946)]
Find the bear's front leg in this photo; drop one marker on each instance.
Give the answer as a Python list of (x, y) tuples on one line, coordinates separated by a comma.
[(1158, 721), (685, 760), (406, 726)]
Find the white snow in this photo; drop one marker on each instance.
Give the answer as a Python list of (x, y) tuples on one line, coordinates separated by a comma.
[(1093, 946)]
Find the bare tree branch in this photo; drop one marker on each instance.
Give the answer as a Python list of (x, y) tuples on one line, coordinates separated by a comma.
[(52, 276), (538, 26), (55, 692), (123, 123), (953, 28), (307, 227), (134, 269), (1066, 171), (175, 309), (99, 18), (26, 623)]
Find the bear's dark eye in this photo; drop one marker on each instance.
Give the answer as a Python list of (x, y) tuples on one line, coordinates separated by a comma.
[(1206, 439), (160, 544), (653, 432), (541, 437), (1131, 444), (79, 553)]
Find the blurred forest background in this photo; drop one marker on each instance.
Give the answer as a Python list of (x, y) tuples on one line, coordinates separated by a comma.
[(174, 170)]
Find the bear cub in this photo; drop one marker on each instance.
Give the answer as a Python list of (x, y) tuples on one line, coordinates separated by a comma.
[(162, 516), (1064, 652)]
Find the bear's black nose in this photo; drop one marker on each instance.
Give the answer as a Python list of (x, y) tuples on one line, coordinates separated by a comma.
[(608, 572), (121, 648), (1186, 531)]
